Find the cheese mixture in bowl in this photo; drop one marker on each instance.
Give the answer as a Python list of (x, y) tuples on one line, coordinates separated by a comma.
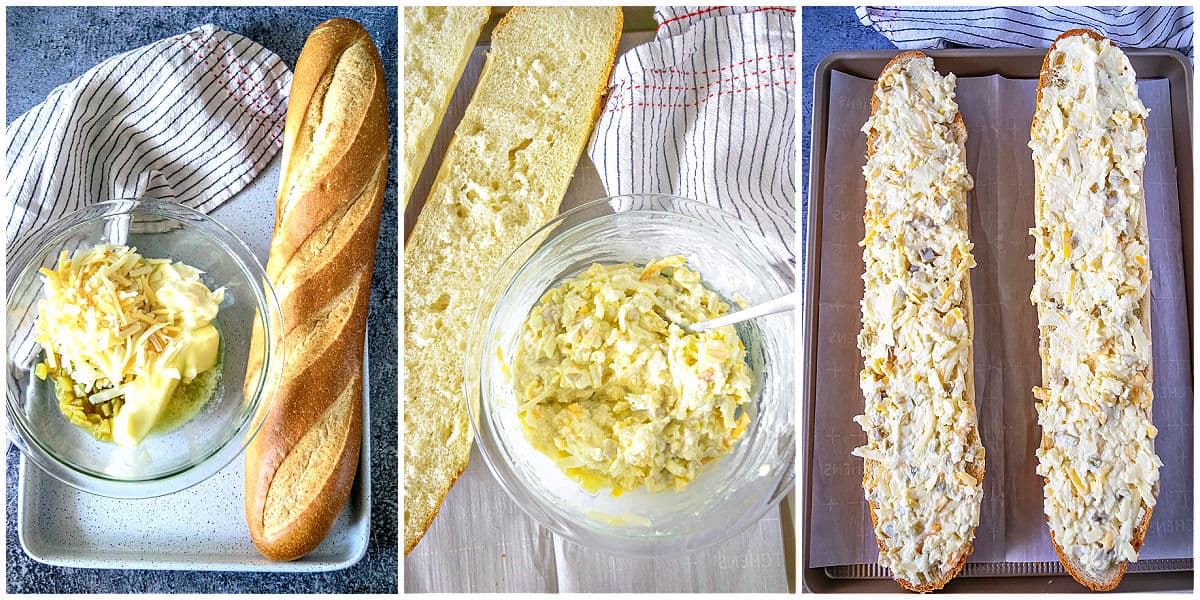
[(121, 333), (612, 388), (569, 313), (125, 368), (1092, 291)]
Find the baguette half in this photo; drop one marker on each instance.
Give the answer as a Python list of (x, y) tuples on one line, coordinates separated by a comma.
[(1097, 455), (503, 177), (301, 465), (918, 326), (438, 41)]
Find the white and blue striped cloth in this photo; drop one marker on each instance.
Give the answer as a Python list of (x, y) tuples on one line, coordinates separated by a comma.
[(1031, 27), (191, 118), (707, 111)]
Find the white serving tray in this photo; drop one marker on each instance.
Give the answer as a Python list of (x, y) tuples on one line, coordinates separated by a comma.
[(202, 528)]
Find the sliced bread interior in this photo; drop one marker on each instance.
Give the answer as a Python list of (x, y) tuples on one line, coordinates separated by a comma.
[(503, 176), (438, 41)]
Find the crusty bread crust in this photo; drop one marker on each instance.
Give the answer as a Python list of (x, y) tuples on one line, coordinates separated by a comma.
[(301, 466), (1113, 577), (411, 542), (869, 466)]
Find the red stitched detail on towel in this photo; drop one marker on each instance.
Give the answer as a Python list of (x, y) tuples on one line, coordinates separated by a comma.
[(719, 69), (712, 8), (689, 15), (258, 102), (263, 94), (626, 87), (700, 101)]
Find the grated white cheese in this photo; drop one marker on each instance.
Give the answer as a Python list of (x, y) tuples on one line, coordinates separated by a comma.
[(1091, 259)]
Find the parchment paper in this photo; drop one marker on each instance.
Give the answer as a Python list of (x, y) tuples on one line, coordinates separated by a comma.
[(1012, 528), (481, 541)]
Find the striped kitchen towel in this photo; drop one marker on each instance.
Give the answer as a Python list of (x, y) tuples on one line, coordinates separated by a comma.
[(1030, 27), (192, 118), (707, 111)]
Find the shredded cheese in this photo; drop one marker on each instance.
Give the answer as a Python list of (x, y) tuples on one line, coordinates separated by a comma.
[(915, 339)]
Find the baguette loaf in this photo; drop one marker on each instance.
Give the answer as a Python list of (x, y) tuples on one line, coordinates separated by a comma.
[(302, 463), (1091, 257), (437, 45), (504, 175), (923, 463)]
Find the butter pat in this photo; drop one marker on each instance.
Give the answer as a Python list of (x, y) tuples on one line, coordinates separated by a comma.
[(146, 397)]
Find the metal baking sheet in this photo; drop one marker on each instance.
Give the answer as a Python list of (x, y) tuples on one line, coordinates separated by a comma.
[(202, 528), (1013, 64)]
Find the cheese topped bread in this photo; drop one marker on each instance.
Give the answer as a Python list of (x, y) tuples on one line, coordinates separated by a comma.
[(923, 462), (1091, 260)]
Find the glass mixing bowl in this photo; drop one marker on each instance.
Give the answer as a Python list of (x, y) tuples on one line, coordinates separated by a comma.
[(730, 493), (166, 462)]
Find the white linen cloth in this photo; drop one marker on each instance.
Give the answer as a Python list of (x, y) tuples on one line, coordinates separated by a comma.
[(1029, 26), (192, 118), (707, 111)]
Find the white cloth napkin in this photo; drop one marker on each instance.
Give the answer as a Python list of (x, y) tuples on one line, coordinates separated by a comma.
[(1029, 26), (707, 111), (191, 118)]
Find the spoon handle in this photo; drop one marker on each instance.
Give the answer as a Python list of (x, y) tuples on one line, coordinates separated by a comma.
[(780, 304)]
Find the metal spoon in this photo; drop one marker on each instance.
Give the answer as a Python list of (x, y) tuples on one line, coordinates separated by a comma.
[(780, 304)]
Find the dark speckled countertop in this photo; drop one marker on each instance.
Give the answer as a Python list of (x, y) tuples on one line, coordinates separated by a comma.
[(50, 46)]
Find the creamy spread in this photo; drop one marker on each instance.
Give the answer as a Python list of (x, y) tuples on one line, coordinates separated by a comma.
[(1091, 258), (120, 333), (612, 388), (915, 340)]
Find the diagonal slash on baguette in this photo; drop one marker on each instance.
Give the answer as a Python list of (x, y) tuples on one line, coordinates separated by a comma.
[(1110, 579), (484, 202), (869, 466)]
